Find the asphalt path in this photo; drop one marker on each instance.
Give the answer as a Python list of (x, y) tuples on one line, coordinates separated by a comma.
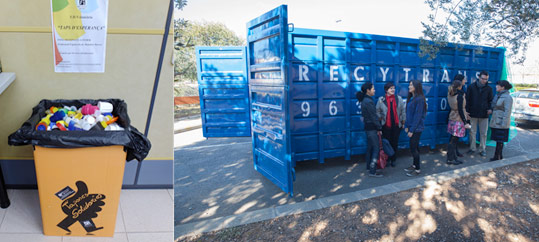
[(215, 177)]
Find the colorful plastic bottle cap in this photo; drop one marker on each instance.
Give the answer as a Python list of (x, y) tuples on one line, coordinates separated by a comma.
[(78, 116), (74, 125), (61, 127), (105, 107), (100, 118), (41, 126), (53, 109), (71, 113), (97, 113), (112, 120), (71, 125), (70, 108), (45, 120), (86, 126), (89, 109), (68, 120), (59, 115), (89, 119)]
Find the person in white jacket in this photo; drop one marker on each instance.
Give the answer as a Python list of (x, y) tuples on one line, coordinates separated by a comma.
[(391, 111)]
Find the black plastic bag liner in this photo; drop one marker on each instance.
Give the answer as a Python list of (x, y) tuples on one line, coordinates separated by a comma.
[(134, 142)]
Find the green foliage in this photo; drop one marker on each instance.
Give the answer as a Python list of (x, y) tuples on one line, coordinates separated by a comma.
[(182, 89), (512, 24), (189, 34), (179, 4), (525, 86)]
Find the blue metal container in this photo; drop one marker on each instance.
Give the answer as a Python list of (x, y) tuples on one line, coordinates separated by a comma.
[(303, 84), (223, 91)]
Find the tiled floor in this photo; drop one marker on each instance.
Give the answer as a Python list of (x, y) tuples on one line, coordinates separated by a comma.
[(143, 215)]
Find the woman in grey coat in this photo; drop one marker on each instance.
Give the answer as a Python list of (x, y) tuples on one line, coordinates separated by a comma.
[(501, 117), (391, 111)]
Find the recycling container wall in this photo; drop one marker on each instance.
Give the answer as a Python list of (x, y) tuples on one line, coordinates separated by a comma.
[(223, 91), (79, 189), (303, 84), (327, 68)]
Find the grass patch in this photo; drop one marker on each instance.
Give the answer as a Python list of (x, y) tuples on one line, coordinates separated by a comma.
[(184, 111)]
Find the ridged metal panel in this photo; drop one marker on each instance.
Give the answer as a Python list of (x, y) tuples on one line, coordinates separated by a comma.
[(224, 91), (268, 92), (328, 68)]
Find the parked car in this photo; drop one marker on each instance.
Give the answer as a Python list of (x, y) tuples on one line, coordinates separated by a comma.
[(526, 105)]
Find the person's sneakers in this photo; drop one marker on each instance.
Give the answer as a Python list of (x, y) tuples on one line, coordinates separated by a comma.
[(376, 175), (453, 162), (458, 162), (459, 154), (413, 173), (470, 152), (411, 168), (392, 163), (483, 153), (494, 159)]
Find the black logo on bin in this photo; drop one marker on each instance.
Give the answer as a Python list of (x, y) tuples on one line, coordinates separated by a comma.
[(65, 193), (80, 206)]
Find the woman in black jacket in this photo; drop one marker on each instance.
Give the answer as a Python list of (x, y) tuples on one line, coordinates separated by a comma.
[(373, 128)]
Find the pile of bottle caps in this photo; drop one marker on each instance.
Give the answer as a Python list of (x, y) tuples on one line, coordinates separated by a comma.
[(87, 117)]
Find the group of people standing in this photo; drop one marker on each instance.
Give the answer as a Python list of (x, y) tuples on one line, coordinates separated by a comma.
[(469, 109)]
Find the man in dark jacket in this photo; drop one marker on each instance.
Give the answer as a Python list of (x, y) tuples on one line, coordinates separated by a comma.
[(478, 104)]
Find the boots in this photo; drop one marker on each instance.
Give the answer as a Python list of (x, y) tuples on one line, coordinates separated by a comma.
[(498, 152), (452, 152), (500, 155)]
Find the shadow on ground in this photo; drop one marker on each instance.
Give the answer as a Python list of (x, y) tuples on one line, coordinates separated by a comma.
[(498, 205), (216, 178)]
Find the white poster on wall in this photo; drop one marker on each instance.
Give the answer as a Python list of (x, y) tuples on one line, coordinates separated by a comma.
[(79, 35)]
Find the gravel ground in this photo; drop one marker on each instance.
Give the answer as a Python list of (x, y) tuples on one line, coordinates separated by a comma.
[(496, 205)]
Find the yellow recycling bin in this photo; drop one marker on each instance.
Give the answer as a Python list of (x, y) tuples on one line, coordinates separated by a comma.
[(79, 189), (80, 172)]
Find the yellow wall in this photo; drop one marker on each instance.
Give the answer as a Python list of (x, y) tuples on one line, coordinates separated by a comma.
[(135, 29)]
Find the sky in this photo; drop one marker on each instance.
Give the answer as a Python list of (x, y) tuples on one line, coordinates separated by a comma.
[(400, 18)]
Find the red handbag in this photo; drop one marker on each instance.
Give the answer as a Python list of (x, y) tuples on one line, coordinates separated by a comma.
[(382, 156)]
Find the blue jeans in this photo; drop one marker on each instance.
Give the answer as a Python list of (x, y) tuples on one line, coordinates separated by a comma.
[(373, 149)]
